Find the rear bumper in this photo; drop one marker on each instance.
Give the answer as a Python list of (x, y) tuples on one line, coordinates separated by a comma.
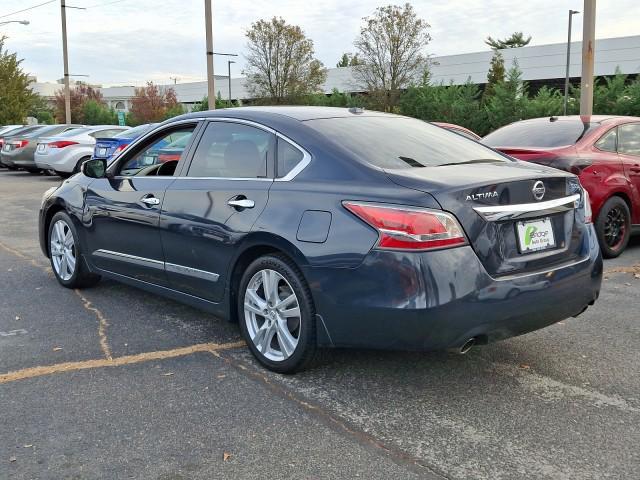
[(438, 300), (18, 159)]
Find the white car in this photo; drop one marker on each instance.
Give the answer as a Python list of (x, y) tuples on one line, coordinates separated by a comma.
[(65, 153)]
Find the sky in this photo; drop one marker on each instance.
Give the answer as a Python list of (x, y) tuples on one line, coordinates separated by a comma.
[(128, 42)]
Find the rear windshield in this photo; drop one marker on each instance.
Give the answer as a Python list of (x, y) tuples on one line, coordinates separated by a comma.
[(398, 142), (134, 132), (539, 134)]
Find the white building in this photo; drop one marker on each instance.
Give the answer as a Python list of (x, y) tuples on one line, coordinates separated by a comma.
[(540, 64)]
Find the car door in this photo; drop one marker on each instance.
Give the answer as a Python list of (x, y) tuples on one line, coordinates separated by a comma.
[(629, 152), (123, 210), (212, 206)]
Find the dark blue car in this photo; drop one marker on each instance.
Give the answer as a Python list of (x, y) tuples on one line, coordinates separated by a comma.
[(109, 148), (324, 227)]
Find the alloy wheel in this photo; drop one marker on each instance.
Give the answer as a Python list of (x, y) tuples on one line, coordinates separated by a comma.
[(615, 227), (63, 250), (272, 315)]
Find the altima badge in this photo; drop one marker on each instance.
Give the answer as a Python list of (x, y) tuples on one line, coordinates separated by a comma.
[(538, 190), (479, 196)]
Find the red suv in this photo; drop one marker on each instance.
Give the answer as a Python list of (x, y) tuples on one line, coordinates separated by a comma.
[(604, 151)]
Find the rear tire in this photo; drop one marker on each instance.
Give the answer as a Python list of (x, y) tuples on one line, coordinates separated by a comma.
[(278, 322), (66, 258), (34, 171), (78, 166), (613, 227)]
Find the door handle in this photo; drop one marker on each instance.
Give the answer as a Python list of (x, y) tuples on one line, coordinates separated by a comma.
[(150, 200), (241, 203)]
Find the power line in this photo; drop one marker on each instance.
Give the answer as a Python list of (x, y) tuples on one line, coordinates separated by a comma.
[(105, 4), (25, 9)]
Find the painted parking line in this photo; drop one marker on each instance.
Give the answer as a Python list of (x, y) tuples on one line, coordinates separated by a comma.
[(116, 362)]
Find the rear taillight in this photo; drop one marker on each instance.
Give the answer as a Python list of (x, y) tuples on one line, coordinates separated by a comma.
[(119, 149), (586, 206), (168, 157), (62, 144), (19, 143), (409, 228)]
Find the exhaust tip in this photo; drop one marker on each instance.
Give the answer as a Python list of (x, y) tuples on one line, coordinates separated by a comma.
[(467, 346)]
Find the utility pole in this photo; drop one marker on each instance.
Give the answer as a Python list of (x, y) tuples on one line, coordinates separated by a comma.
[(588, 46), (211, 93), (65, 58), (566, 77), (229, 62)]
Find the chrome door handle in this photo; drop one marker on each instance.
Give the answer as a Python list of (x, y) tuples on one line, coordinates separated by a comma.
[(242, 203), (150, 200)]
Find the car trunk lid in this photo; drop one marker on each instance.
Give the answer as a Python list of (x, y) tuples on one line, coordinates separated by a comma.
[(507, 188)]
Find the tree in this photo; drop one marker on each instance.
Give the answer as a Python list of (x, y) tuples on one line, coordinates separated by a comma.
[(79, 95), (349, 60), (151, 103), (97, 113), (495, 75), (41, 110), (509, 102), (547, 102), (514, 41), (280, 61), (203, 105), (15, 95), (391, 47)]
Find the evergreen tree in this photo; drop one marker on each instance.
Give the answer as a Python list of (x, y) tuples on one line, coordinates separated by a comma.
[(495, 75)]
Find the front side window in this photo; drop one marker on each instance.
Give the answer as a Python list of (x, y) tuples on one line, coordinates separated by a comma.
[(629, 141), (609, 141), (232, 150), (160, 156)]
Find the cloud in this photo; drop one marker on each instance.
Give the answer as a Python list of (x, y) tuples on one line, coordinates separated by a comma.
[(137, 40)]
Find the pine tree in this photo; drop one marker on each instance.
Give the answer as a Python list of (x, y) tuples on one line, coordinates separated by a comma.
[(495, 75)]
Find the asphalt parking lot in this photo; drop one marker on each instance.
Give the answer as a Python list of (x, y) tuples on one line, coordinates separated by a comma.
[(111, 382)]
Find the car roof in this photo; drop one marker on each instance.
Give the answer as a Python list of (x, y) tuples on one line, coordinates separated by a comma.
[(583, 119), (301, 113)]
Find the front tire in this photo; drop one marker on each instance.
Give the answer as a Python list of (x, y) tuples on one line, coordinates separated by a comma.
[(613, 226), (277, 315), (66, 259)]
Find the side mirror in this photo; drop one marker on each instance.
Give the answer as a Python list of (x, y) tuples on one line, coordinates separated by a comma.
[(95, 168)]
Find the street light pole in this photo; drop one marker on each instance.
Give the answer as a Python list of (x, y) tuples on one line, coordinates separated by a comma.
[(229, 62), (65, 58), (566, 77), (588, 46), (211, 94)]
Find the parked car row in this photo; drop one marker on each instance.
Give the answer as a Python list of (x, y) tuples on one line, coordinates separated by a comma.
[(55, 148)]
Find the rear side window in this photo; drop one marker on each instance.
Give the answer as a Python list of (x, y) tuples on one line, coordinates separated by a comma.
[(539, 134), (399, 142), (609, 141), (629, 141), (288, 157), (232, 150)]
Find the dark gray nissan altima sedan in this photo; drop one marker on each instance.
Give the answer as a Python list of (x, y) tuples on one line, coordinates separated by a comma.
[(325, 227)]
